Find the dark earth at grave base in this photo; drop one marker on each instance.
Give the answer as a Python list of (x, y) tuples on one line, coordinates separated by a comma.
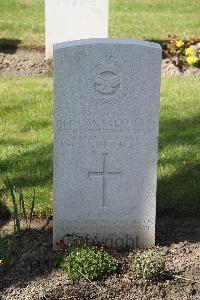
[(34, 274), (27, 62)]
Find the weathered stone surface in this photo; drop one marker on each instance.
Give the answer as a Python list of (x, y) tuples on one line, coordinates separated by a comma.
[(73, 20), (107, 94)]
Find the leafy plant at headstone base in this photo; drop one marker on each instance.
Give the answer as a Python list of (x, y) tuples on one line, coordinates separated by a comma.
[(182, 53), (19, 210), (6, 254), (87, 262), (147, 265)]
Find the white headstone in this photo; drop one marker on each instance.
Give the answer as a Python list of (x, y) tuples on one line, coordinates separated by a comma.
[(73, 20), (107, 94)]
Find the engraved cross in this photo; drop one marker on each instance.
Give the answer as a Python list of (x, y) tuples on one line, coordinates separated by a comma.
[(104, 174)]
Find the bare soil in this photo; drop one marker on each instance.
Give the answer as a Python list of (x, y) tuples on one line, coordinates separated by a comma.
[(30, 62), (35, 275), (24, 62)]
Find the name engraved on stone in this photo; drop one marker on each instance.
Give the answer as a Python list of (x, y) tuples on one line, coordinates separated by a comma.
[(104, 174), (107, 131)]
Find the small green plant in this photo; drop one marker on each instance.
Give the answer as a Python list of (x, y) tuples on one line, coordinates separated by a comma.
[(6, 254), (87, 262), (19, 210), (147, 265)]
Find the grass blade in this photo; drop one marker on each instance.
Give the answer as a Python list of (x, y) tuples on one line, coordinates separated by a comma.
[(32, 208), (23, 206), (15, 209)]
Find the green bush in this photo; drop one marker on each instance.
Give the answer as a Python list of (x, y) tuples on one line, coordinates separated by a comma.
[(87, 262), (147, 265)]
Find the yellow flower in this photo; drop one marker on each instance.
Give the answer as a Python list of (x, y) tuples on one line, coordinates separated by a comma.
[(188, 51), (1, 262), (192, 60), (179, 44)]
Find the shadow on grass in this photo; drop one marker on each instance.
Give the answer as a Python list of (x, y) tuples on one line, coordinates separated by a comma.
[(9, 46), (179, 192), (179, 132), (32, 167)]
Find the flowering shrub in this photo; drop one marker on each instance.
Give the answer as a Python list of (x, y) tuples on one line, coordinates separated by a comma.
[(192, 60), (182, 53), (87, 262), (147, 265)]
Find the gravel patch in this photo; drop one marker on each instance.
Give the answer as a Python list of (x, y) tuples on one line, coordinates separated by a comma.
[(24, 62)]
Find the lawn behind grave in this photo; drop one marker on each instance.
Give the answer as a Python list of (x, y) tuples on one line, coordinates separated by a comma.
[(179, 145), (154, 19), (26, 135), (22, 21)]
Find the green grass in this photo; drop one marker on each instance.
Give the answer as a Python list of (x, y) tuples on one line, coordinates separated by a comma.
[(154, 19), (23, 20), (26, 136), (179, 145), (26, 141)]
